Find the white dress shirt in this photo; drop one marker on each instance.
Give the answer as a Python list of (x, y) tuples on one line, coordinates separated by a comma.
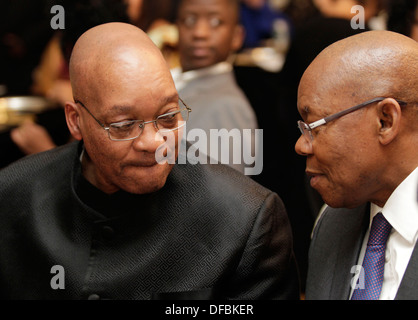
[(401, 211)]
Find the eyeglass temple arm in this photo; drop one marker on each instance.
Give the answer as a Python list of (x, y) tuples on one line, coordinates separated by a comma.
[(187, 107), (82, 104), (320, 122)]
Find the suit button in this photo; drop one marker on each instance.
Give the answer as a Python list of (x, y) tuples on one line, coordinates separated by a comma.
[(107, 232), (93, 297)]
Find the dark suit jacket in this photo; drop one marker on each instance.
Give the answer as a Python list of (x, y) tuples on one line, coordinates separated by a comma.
[(334, 250), (209, 233)]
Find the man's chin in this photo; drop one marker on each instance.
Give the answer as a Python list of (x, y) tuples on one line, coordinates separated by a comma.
[(145, 179), (151, 188), (334, 200)]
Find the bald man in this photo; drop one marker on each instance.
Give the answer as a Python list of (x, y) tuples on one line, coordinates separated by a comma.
[(358, 101), (101, 218)]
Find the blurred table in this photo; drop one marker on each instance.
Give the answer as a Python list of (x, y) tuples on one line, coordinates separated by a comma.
[(267, 58), (17, 109)]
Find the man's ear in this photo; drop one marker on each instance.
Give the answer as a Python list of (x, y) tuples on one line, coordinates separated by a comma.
[(238, 38), (390, 114), (73, 120)]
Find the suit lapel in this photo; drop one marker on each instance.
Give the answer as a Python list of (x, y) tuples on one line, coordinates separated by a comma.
[(355, 222), (408, 289)]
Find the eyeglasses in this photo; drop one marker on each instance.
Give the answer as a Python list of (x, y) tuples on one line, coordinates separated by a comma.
[(306, 129), (130, 130)]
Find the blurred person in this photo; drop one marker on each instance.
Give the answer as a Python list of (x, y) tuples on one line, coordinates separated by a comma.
[(259, 20), (299, 11), (153, 13), (24, 32), (51, 76), (403, 17), (209, 33), (359, 138), (122, 225), (342, 8), (157, 18)]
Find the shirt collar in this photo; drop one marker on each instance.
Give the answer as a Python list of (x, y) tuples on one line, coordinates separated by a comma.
[(182, 78), (401, 209)]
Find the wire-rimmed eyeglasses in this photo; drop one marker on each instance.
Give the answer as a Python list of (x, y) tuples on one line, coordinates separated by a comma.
[(132, 129), (306, 129)]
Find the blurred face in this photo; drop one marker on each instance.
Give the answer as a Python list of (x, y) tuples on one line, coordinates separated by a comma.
[(342, 160), (129, 92), (208, 32)]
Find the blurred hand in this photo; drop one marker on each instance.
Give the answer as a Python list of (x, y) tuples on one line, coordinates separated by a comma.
[(32, 138)]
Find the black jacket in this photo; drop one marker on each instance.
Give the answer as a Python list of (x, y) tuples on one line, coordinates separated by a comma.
[(209, 233)]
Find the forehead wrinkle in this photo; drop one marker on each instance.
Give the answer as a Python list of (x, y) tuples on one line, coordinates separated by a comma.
[(304, 111), (313, 107)]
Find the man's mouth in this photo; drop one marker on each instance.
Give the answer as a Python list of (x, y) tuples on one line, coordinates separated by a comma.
[(314, 177), (141, 164), (200, 52)]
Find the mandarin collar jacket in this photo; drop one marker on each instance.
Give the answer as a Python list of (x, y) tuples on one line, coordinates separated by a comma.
[(209, 233)]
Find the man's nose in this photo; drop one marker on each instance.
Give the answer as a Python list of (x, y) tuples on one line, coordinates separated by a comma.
[(303, 147), (149, 140), (202, 28)]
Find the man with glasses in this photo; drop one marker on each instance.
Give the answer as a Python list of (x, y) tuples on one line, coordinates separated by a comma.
[(358, 101), (101, 218)]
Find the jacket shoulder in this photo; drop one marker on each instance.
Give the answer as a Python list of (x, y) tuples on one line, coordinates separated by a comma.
[(44, 166), (220, 186), (221, 175)]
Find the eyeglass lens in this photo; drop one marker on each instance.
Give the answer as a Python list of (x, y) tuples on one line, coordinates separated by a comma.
[(132, 129), (305, 130)]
